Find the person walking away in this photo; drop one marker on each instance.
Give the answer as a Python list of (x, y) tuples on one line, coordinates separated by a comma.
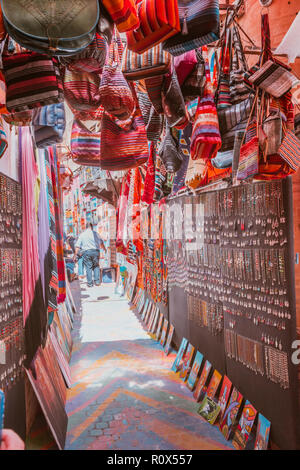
[(89, 244)]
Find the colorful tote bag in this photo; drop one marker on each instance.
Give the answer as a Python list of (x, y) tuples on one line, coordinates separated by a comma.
[(3, 140), (193, 86), (154, 61), (270, 75), (81, 90), (91, 59), (248, 165), (159, 20), (123, 13), (173, 102), (32, 81), (206, 138), (290, 150), (121, 148), (85, 146), (116, 94), (49, 124), (199, 24)]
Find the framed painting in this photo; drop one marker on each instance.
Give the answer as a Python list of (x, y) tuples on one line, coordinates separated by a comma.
[(179, 355), (224, 394), (244, 427), (202, 380), (151, 317), (158, 332), (262, 433), (155, 320), (186, 362), (164, 333), (191, 381), (209, 409), (148, 314), (169, 340), (229, 419), (214, 384), (145, 309)]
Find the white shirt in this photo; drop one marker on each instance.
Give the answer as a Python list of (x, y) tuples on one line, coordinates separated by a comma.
[(89, 240)]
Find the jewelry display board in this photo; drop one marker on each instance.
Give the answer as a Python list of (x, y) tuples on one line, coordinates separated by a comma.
[(233, 272), (11, 313)]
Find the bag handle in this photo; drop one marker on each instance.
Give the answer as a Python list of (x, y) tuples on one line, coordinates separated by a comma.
[(239, 59), (250, 116)]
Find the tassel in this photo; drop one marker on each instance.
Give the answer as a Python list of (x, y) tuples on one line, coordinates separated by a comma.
[(185, 30)]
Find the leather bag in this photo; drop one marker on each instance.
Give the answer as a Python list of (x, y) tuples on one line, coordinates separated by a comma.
[(56, 27)]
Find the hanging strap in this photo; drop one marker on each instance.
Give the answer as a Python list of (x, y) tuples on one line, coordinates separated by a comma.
[(265, 38), (238, 60)]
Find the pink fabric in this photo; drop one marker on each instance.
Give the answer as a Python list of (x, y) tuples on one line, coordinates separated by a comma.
[(31, 268), (184, 65)]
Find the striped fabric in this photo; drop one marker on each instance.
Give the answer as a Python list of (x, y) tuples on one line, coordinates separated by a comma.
[(82, 90), (148, 193), (88, 115), (58, 229), (49, 124), (3, 140), (91, 59), (53, 286), (32, 80), (154, 61), (223, 92), (206, 139), (116, 94), (274, 79), (154, 87), (290, 150), (199, 25), (123, 13), (249, 159), (85, 146), (159, 20), (123, 149)]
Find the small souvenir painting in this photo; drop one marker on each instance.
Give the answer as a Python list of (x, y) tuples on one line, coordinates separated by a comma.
[(141, 304), (244, 427), (158, 332), (186, 362), (180, 353), (262, 433), (148, 314), (209, 410), (145, 309), (202, 380), (224, 394), (151, 317), (164, 333), (229, 419), (154, 322), (195, 371), (214, 384), (169, 340)]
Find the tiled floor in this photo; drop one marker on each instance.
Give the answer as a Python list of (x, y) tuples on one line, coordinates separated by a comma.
[(124, 395)]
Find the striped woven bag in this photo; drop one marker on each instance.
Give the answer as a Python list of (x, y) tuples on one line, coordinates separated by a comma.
[(290, 150), (91, 59), (49, 124), (123, 13), (32, 80), (153, 62), (199, 25), (206, 139), (85, 145), (238, 89), (123, 148), (159, 20), (116, 94), (223, 91), (82, 90)]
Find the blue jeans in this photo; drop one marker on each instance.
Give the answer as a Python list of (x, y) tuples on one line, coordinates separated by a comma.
[(80, 266), (91, 262)]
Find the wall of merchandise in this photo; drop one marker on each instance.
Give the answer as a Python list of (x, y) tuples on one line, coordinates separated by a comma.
[(231, 293), (11, 312)]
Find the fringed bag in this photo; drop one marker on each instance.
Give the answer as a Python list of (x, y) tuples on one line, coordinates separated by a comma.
[(85, 146), (206, 139)]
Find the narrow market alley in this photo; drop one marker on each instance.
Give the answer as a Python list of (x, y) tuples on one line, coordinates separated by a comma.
[(124, 394)]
